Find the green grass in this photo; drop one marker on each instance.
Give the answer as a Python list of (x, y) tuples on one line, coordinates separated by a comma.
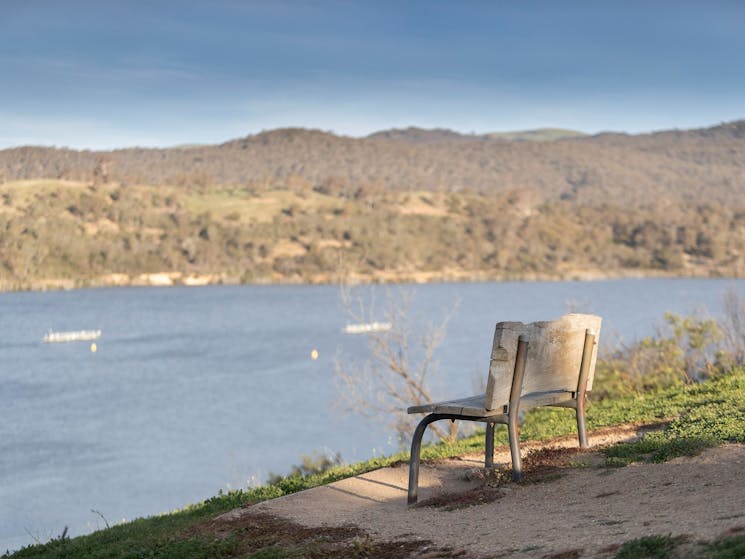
[(726, 548), (698, 416), (650, 547), (668, 547), (708, 414)]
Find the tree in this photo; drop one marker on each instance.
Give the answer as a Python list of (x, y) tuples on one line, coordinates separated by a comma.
[(400, 366)]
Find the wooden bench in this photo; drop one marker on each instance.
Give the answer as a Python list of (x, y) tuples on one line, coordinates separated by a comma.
[(537, 364)]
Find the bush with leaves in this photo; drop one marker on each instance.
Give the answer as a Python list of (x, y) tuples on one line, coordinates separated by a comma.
[(310, 464), (685, 350)]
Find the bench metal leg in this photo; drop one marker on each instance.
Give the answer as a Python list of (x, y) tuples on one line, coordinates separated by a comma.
[(416, 448), (581, 422), (489, 446), (581, 398), (513, 415), (513, 432)]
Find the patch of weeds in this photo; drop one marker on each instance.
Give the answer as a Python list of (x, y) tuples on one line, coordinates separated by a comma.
[(622, 454), (259, 531), (650, 547), (490, 477), (688, 446), (549, 464), (362, 546), (658, 447), (729, 545), (539, 466), (263, 536), (548, 456), (728, 548), (311, 464)]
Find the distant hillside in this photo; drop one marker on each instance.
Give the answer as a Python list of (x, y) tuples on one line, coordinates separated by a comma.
[(297, 205), (675, 166)]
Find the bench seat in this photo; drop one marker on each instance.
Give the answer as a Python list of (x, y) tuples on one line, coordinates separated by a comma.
[(473, 406)]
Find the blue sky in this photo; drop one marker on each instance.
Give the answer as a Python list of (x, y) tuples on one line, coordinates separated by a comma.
[(102, 74)]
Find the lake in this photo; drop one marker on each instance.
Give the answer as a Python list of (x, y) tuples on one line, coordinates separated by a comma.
[(184, 394)]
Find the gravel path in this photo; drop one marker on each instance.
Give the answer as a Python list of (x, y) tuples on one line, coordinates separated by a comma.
[(587, 512)]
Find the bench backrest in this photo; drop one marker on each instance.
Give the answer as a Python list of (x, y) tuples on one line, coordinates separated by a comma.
[(553, 359)]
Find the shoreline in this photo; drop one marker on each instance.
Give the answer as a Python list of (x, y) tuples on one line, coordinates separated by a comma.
[(181, 279)]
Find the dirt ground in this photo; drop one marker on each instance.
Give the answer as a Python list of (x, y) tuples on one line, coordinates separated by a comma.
[(581, 509)]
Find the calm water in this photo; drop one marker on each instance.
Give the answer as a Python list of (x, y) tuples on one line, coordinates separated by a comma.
[(182, 397)]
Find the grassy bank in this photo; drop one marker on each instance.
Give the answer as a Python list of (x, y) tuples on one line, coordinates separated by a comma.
[(695, 416)]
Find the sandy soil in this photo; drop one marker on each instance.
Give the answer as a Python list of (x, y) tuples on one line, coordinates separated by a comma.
[(587, 512)]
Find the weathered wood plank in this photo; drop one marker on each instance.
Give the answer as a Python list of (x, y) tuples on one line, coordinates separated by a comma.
[(553, 360)]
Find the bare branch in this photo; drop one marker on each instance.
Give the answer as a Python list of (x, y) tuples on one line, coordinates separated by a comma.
[(37, 540), (94, 511), (399, 367)]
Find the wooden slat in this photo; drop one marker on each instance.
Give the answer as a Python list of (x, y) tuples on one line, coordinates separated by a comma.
[(474, 402), (553, 361)]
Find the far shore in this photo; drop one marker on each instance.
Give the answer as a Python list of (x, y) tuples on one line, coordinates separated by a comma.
[(173, 279)]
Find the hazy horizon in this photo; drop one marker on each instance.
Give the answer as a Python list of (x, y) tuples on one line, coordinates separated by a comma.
[(362, 136)]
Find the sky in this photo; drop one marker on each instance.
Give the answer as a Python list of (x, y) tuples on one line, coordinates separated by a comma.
[(102, 74)]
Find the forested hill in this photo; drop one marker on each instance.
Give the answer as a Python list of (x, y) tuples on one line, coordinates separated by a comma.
[(706, 165), (412, 204)]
